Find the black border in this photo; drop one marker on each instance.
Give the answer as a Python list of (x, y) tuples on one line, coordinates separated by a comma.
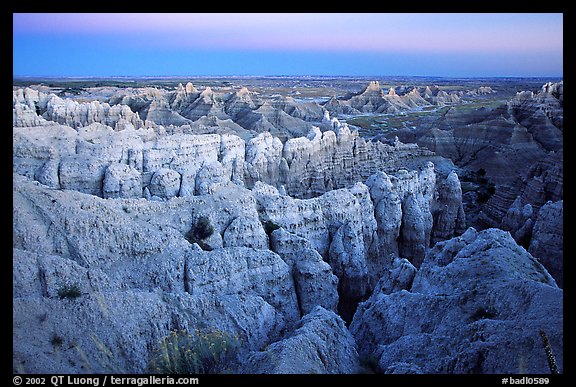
[(322, 7)]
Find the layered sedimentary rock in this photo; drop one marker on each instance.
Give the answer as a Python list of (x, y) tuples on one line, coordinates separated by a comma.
[(34, 147), (478, 304), (326, 253), (188, 106), (321, 161), (373, 99), (320, 345), (519, 148), (77, 114), (542, 181), (127, 230), (547, 239), (359, 231), (205, 111), (303, 167), (128, 255), (542, 113), (482, 90), (524, 131), (185, 107), (540, 178), (27, 106), (181, 165)]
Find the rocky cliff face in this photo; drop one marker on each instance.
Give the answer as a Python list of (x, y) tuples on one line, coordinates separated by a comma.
[(526, 130), (127, 256), (328, 252), (314, 251), (320, 345), (547, 239), (181, 164), (461, 313), (139, 278), (50, 107), (322, 161), (538, 180), (357, 231), (519, 147), (127, 252)]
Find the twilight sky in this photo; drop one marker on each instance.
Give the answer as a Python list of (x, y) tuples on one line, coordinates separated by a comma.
[(426, 44)]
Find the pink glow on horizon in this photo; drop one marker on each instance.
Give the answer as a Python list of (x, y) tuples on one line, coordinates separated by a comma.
[(450, 33)]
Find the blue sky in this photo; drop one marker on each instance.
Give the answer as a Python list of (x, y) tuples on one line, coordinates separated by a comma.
[(428, 44)]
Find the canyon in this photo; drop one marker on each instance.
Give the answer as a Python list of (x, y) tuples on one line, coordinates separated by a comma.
[(269, 215)]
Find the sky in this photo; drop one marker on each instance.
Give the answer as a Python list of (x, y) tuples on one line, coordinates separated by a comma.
[(260, 44)]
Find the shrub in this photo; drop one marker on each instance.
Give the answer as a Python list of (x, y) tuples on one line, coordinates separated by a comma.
[(200, 231), (202, 353), (69, 291), (56, 340), (203, 229)]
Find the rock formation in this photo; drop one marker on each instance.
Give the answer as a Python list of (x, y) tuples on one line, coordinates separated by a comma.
[(122, 181), (150, 212), (64, 238), (477, 305), (326, 253), (373, 99), (519, 148), (547, 239), (320, 345), (357, 232), (313, 277), (304, 166)]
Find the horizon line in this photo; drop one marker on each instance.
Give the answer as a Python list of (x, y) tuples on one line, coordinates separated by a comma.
[(277, 76)]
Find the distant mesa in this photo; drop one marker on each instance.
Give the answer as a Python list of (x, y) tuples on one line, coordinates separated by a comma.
[(403, 98)]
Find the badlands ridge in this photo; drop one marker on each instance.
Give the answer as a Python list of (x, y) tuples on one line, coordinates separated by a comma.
[(274, 221)]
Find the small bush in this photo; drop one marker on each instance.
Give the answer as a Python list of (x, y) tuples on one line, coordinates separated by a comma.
[(202, 353), (69, 291), (203, 229), (56, 340), (200, 230)]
